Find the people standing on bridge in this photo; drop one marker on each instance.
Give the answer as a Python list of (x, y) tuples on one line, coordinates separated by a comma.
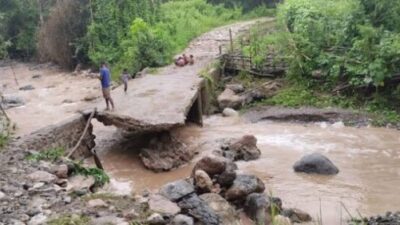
[(191, 60), (180, 61), (185, 58), (105, 78), (125, 78)]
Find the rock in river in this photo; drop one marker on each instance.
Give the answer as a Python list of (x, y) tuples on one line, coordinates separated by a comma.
[(176, 190), (26, 88), (245, 148), (296, 215), (243, 186), (315, 163), (10, 101), (199, 209), (165, 152)]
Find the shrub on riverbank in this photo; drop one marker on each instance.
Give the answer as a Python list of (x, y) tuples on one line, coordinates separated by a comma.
[(343, 53)]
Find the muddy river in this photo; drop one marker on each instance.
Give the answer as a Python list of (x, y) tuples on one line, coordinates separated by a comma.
[(368, 159)]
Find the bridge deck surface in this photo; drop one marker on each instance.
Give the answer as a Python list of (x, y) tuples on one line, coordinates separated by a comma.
[(162, 100)]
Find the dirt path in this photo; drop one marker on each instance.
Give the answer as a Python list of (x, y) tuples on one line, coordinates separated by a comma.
[(160, 98)]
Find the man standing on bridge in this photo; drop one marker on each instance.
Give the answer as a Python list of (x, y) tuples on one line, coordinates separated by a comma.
[(105, 78)]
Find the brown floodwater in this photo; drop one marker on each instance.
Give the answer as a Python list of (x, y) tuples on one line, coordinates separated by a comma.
[(368, 159)]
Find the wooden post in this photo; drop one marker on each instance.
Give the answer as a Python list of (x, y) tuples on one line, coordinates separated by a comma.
[(231, 39), (220, 50), (97, 160), (83, 134)]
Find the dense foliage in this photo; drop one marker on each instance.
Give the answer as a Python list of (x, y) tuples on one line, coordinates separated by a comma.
[(124, 33), (350, 41), (154, 44), (111, 21), (18, 23), (245, 4)]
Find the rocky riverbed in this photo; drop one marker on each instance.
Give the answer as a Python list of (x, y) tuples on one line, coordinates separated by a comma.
[(43, 192)]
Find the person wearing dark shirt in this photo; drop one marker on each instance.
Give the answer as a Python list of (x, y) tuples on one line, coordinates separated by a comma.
[(105, 78)]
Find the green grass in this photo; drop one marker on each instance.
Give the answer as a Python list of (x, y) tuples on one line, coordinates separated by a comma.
[(99, 175), (4, 139), (295, 95), (51, 154), (102, 196), (69, 220)]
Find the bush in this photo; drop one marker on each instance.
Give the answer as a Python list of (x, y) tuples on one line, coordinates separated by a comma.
[(111, 24), (342, 39), (99, 175), (154, 44), (18, 25)]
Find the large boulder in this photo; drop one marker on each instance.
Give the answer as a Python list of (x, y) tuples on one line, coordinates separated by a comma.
[(228, 99), (162, 205), (176, 190), (222, 208), (199, 209), (243, 186), (315, 163), (165, 153), (203, 182), (212, 165), (9, 101), (244, 148)]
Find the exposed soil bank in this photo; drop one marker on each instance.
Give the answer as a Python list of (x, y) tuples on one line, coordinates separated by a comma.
[(305, 115)]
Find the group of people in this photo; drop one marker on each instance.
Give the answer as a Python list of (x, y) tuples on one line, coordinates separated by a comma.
[(105, 79), (184, 60)]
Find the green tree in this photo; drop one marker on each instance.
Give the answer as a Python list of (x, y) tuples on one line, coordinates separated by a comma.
[(19, 25), (111, 23), (345, 41)]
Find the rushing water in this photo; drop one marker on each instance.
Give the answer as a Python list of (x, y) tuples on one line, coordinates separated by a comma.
[(368, 159)]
